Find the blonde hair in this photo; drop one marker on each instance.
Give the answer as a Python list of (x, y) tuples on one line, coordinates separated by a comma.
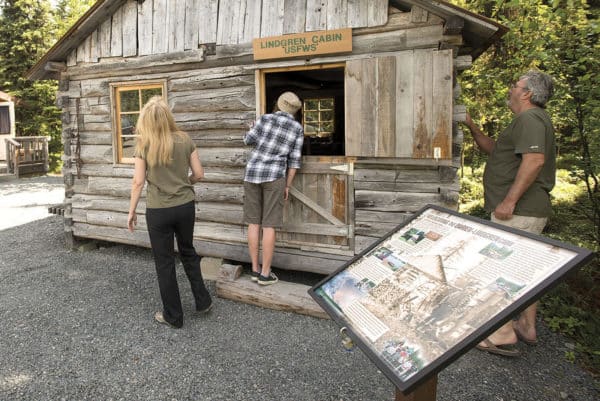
[(156, 127)]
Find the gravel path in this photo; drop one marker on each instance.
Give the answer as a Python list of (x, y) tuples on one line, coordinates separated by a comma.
[(78, 326)]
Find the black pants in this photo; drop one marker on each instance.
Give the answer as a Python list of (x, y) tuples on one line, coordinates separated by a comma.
[(162, 225)]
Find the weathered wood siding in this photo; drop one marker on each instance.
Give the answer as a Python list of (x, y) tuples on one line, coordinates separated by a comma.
[(170, 26)]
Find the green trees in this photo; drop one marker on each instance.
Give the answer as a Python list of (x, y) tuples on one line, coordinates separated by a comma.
[(560, 37), (26, 31)]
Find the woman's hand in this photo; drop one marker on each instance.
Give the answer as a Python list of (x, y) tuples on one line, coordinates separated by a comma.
[(131, 221)]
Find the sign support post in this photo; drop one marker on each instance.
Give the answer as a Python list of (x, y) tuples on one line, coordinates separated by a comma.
[(425, 392)]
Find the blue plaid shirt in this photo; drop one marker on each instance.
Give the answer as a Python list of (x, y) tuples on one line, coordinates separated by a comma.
[(278, 145)]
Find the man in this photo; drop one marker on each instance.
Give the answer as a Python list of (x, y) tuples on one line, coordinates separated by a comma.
[(518, 176), (277, 140)]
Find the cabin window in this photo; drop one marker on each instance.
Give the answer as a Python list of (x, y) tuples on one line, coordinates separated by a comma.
[(319, 117), (129, 100), (321, 89)]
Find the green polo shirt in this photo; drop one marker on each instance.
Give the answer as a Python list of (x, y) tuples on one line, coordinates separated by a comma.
[(169, 185), (530, 132)]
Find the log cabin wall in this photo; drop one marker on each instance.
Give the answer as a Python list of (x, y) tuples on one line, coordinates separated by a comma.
[(211, 86)]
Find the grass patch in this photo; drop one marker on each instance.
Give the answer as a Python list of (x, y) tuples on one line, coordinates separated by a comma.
[(573, 307)]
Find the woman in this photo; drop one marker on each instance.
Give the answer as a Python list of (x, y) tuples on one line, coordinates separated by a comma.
[(164, 156)]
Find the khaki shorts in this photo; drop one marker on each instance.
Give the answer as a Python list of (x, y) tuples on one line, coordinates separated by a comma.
[(263, 203), (533, 225)]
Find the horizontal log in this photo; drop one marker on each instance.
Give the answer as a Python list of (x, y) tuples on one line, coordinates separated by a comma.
[(225, 77), (97, 154), (205, 191), (113, 186), (284, 258), (459, 113), (463, 62), (96, 138), (212, 100), (374, 216), (394, 201), (106, 203), (362, 242), (373, 229), (218, 137), (219, 212), (234, 175), (97, 126), (223, 157), (285, 296), (418, 187), (111, 234), (215, 174), (216, 192), (394, 173), (108, 170), (195, 121)]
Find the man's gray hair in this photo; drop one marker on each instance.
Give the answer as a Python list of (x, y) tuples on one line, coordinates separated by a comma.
[(540, 85)]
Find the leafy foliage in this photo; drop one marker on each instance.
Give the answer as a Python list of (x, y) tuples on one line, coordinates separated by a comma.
[(27, 30), (559, 37), (25, 33)]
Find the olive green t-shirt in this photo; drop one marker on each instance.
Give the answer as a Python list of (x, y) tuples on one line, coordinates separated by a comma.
[(530, 132), (169, 185)]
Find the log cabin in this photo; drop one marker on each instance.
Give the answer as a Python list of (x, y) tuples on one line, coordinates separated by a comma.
[(378, 84)]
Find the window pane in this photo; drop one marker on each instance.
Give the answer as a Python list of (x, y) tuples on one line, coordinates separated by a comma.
[(310, 129), (326, 104), (311, 104), (128, 146), (130, 100), (327, 115), (148, 93), (128, 122), (311, 116), (327, 127)]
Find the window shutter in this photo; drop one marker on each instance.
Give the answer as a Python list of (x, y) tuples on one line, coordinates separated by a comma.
[(400, 106)]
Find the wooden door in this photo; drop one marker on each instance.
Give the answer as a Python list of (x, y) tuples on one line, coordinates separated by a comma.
[(319, 214)]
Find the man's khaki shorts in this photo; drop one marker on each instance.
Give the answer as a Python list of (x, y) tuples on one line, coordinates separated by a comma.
[(263, 203), (533, 225)]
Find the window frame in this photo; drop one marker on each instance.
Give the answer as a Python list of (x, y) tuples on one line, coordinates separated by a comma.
[(116, 89)]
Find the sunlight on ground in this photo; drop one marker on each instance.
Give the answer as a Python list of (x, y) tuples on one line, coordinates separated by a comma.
[(10, 382), (24, 201)]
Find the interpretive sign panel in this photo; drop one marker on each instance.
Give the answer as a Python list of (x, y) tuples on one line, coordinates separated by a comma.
[(433, 287)]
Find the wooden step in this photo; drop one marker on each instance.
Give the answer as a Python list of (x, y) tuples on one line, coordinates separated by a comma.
[(285, 296)]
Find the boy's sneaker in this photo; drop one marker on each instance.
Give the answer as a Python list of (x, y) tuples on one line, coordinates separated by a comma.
[(254, 275), (270, 279)]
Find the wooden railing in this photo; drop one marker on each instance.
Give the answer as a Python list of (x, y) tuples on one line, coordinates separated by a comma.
[(27, 154)]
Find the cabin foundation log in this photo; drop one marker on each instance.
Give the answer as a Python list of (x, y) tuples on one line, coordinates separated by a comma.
[(210, 268), (284, 296)]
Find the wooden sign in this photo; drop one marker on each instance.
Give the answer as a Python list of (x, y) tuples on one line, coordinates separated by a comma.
[(303, 44)]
